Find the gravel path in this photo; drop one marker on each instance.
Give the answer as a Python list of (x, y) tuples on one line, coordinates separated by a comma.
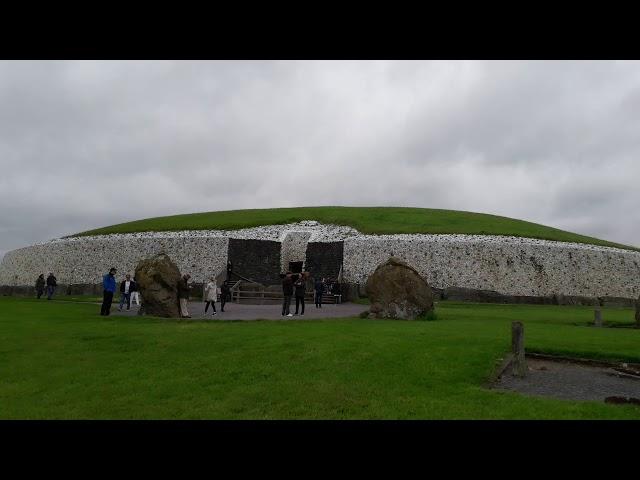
[(234, 311), (570, 381)]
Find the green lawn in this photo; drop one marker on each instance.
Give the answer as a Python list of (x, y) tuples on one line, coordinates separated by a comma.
[(62, 360), (372, 220)]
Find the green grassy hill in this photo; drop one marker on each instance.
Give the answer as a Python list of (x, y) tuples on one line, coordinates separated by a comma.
[(372, 220)]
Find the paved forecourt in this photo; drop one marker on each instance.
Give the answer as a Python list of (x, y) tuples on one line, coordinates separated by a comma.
[(234, 311)]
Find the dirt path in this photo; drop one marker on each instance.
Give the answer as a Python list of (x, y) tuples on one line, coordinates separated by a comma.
[(234, 311), (570, 381)]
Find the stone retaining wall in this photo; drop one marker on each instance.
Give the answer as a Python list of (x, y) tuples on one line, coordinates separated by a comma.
[(85, 261), (507, 266), (257, 260), (324, 259)]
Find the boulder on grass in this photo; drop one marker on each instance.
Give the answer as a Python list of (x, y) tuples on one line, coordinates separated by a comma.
[(157, 280), (397, 290)]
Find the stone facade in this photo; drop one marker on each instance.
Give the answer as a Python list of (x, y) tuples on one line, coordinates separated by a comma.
[(324, 259), (257, 260), (506, 265), (86, 260)]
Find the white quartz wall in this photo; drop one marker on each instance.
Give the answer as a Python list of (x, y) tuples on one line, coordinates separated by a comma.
[(294, 248), (198, 252), (86, 260), (508, 265)]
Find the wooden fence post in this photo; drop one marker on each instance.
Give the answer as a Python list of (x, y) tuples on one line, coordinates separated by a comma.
[(517, 345)]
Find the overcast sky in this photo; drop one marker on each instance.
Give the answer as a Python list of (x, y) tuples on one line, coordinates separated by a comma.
[(89, 144)]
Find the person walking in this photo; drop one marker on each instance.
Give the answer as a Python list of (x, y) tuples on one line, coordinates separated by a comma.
[(210, 295), (319, 289), (224, 294), (183, 295), (135, 295), (300, 287), (125, 292), (287, 291), (229, 270), (108, 289), (52, 283), (40, 282)]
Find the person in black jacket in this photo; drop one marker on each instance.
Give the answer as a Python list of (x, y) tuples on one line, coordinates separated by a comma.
[(40, 285), (52, 283), (287, 291), (319, 290), (300, 286), (224, 294)]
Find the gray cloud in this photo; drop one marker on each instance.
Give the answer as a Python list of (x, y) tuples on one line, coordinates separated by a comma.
[(86, 144)]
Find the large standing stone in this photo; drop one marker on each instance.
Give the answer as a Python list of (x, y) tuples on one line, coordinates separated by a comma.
[(157, 279), (397, 290)]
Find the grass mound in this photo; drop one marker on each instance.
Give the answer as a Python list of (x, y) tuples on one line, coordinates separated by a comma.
[(371, 220)]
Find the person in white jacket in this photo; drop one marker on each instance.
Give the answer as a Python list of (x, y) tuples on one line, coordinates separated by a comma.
[(210, 295)]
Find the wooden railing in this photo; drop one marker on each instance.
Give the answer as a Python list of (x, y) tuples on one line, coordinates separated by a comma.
[(262, 296)]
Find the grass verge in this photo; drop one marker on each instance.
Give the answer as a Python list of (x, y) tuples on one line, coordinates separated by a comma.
[(62, 360)]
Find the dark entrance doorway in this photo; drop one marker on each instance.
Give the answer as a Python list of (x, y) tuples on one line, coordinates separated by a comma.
[(295, 267)]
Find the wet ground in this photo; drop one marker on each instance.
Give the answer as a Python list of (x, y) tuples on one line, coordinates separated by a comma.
[(570, 381), (234, 311)]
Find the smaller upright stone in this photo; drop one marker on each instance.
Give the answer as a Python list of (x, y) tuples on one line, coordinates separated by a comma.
[(597, 317), (519, 364), (638, 313)]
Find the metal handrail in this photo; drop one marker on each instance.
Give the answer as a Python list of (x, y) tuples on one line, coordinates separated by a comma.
[(245, 278), (234, 289)]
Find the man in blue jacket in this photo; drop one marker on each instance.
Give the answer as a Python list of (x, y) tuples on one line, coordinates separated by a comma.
[(109, 286)]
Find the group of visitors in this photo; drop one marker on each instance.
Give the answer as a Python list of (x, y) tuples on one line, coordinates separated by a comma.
[(327, 286), (128, 292), (291, 284), (51, 283), (210, 294), (288, 283), (297, 283)]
